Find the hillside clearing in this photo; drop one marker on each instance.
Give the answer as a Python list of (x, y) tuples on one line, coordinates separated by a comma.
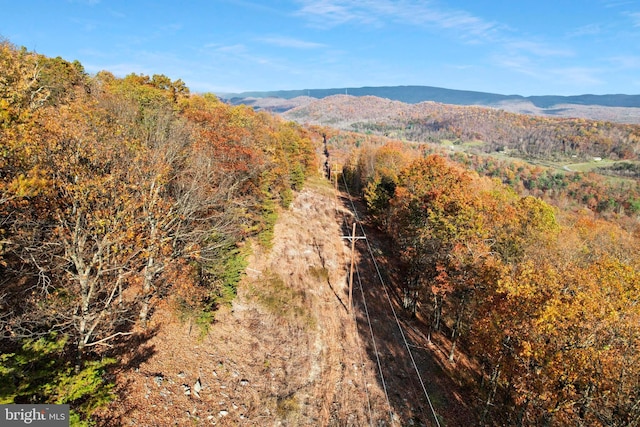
[(286, 352)]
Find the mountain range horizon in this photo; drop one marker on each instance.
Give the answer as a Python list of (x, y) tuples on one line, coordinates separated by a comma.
[(413, 94)]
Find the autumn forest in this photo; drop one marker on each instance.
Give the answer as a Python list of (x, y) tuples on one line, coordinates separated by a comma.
[(116, 193), (121, 194)]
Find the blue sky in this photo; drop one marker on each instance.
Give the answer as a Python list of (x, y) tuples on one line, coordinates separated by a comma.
[(526, 47)]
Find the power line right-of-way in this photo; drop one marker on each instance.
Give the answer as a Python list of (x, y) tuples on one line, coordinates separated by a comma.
[(395, 316)]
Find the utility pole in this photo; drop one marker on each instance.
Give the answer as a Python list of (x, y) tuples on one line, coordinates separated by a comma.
[(353, 239), (353, 257)]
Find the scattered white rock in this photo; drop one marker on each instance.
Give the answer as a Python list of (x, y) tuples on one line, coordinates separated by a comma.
[(187, 389), (196, 388), (223, 413)]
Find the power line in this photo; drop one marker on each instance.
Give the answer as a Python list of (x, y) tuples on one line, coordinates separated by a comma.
[(355, 324), (395, 316), (375, 347)]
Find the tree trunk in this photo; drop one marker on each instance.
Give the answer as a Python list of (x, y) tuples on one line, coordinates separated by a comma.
[(455, 333), (410, 300), (146, 292), (437, 305), (493, 387), (150, 271), (85, 295), (521, 412), (434, 325)]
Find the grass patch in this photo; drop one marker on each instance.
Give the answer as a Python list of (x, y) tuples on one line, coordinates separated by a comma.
[(319, 184), (200, 316), (287, 406), (589, 166), (474, 143), (281, 300), (319, 273)]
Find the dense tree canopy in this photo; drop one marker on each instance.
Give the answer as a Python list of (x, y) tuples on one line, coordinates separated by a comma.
[(119, 193), (545, 300)]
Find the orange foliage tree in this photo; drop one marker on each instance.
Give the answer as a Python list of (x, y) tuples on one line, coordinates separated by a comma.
[(114, 192)]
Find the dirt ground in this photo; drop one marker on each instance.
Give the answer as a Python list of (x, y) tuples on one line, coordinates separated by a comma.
[(288, 352)]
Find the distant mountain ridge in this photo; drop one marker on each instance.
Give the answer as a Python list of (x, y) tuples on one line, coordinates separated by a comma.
[(417, 94)]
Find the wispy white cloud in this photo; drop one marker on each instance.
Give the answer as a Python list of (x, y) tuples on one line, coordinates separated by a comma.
[(253, 5), (291, 42), (579, 76), (242, 56), (519, 63), (548, 74), (234, 48), (96, 53), (625, 61), (529, 55), (176, 26), (118, 69), (87, 2), (461, 66), (116, 14), (87, 25), (543, 70), (331, 13), (635, 18), (538, 49), (617, 3), (586, 30)]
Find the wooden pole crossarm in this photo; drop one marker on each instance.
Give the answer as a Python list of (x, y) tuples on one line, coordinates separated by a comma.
[(352, 239), (356, 237)]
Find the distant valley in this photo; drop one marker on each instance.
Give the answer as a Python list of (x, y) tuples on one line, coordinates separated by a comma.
[(617, 108)]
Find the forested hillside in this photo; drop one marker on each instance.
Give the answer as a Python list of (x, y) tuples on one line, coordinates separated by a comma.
[(498, 130), (117, 194), (544, 299)]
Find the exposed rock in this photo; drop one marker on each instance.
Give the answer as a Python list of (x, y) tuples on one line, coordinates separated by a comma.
[(197, 387), (158, 380), (187, 389)]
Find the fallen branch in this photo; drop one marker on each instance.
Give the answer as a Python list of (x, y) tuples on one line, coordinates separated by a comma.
[(103, 341)]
